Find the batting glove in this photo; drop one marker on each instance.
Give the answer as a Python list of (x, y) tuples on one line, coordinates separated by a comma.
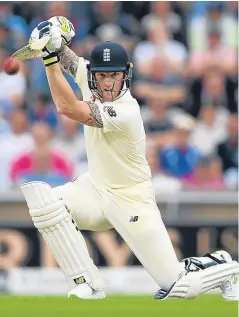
[(65, 27), (60, 31)]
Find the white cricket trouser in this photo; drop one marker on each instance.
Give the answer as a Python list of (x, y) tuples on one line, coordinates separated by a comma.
[(134, 214)]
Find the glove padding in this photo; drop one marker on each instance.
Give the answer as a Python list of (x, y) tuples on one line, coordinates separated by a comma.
[(61, 32), (65, 27)]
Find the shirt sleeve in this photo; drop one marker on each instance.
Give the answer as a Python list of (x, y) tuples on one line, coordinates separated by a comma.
[(81, 74)]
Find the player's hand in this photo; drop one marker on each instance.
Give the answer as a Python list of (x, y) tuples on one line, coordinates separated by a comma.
[(65, 28), (60, 30), (49, 52)]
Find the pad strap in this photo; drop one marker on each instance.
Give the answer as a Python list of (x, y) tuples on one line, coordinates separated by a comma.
[(201, 263)]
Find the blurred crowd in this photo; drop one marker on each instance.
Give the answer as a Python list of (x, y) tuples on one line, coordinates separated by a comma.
[(185, 79)]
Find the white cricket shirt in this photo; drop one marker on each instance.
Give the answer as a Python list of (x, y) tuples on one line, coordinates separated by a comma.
[(116, 153)]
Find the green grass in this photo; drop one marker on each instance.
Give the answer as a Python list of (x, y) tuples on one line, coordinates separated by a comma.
[(116, 306)]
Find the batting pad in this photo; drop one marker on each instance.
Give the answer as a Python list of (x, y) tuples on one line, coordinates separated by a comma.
[(57, 227), (194, 283)]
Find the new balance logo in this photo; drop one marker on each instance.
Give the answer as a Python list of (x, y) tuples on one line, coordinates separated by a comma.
[(79, 280), (106, 55), (133, 218)]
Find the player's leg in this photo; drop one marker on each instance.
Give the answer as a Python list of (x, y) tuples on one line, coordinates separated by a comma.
[(55, 223), (140, 225), (83, 202)]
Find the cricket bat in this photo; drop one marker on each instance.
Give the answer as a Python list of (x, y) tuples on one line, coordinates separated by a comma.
[(32, 50)]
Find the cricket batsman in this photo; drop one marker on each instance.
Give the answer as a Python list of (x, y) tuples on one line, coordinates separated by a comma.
[(117, 192)]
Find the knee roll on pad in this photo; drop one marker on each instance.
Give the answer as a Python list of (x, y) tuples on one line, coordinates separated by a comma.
[(55, 214), (45, 208)]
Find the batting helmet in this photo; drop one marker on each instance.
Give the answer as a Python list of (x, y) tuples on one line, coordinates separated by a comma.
[(109, 57)]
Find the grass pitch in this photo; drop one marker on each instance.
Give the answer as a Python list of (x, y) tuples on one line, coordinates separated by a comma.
[(116, 306)]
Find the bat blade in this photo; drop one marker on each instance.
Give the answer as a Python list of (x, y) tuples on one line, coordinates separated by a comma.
[(32, 50), (26, 53)]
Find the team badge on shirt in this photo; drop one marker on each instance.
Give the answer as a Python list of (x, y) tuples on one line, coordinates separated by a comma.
[(110, 110)]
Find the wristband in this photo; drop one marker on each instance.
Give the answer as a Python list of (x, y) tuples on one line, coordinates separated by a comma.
[(51, 59)]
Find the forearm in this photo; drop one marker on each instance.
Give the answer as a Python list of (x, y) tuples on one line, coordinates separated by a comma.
[(69, 61), (62, 94)]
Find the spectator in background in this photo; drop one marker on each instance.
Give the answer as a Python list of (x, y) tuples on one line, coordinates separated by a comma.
[(156, 82), (4, 125), (28, 9), (180, 159), (62, 8), (138, 8), (42, 163), (228, 152), (159, 44), (199, 8), (43, 111), (215, 17), (108, 32), (210, 129), (17, 141), (158, 124), (207, 175), (213, 55), (37, 78), (162, 10), (212, 88), (109, 12), (70, 140), (86, 46), (231, 9), (129, 43), (6, 39), (12, 88), (163, 184), (15, 24)]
